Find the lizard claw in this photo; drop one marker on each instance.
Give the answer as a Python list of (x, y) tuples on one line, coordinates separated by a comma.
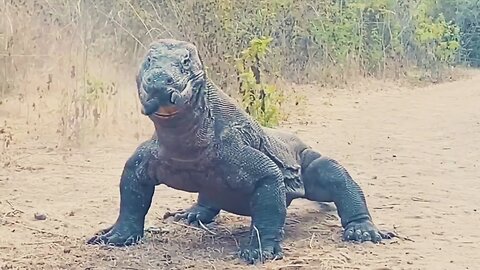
[(363, 231), (193, 215), (254, 255), (117, 235), (188, 216)]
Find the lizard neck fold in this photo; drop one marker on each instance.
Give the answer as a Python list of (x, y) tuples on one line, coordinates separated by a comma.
[(189, 132)]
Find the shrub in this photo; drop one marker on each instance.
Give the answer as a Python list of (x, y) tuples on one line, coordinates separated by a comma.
[(261, 100)]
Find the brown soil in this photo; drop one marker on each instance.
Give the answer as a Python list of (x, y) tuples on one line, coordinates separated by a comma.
[(415, 152)]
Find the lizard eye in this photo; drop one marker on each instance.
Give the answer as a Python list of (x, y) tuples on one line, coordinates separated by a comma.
[(169, 81), (149, 61)]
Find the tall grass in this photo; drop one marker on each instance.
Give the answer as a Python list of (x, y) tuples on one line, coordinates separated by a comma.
[(86, 52)]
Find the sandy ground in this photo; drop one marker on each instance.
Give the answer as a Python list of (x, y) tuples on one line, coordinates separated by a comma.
[(415, 152)]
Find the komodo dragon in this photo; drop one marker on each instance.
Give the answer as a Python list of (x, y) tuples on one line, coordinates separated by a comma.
[(204, 143)]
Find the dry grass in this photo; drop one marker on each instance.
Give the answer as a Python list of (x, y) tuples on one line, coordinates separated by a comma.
[(67, 79), (78, 59), (50, 62)]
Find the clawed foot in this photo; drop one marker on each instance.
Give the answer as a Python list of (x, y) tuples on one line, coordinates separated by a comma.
[(193, 215), (364, 230), (254, 254), (116, 236)]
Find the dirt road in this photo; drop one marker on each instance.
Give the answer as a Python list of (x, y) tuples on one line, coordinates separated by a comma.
[(415, 152)]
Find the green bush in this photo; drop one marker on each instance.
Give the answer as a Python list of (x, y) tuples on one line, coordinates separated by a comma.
[(439, 38), (465, 14), (259, 99)]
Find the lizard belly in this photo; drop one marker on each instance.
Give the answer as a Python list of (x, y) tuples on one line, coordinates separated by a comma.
[(190, 174), (206, 180), (183, 179), (212, 188), (229, 200)]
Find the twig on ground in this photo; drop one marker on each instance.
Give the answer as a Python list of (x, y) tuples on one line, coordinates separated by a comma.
[(344, 256), (405, 238), (187, 226), (341, 266), (311, 241), (384, 207), (213, 265), (40, 230), (205, 228), (319, 230), (294, 221), (83, 166), (13, 212), (21, 157), (11, 205), (291, 265), (42, 243)]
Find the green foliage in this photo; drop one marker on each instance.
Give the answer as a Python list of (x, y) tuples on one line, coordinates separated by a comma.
[(372, 33), (312, 39), (261, 100), (439, 38), (465, 14), (361, 31), (337, 32)]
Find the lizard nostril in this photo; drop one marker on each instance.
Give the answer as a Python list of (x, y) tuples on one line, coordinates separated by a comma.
[(149, 80)]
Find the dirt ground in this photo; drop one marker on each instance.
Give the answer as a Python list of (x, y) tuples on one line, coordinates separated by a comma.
[(415, 152)]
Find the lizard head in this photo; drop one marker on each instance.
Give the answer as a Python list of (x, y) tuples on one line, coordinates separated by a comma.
[(169, 77)]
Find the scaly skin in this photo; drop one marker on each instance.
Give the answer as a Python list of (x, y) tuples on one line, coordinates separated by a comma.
[(204, 143)]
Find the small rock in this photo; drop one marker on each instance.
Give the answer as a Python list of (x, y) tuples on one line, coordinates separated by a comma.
[(40, 216)]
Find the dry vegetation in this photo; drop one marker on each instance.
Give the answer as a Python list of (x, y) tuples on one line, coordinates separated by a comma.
[(86, 52), (67, 72)]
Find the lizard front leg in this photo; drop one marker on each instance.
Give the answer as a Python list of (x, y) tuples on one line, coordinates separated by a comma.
[(136, 192), (252, 173), (268, 211)]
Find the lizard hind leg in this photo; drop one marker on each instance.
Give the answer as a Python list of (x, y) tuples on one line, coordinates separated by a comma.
[(325, 180)]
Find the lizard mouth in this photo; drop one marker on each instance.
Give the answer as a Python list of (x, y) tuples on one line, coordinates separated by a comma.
[(166, 112), (177, 99)]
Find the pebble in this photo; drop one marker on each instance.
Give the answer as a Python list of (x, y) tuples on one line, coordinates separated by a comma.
[(40, 216)]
